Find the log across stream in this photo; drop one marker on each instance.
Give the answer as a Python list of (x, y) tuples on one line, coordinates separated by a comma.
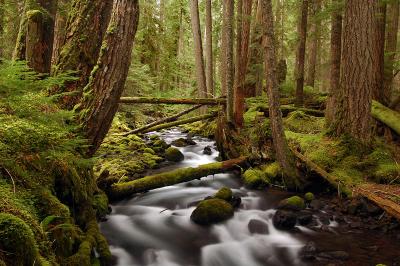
[(154, 228)]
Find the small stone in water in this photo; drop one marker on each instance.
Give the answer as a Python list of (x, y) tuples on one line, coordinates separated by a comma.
[(258, 227), (207, 150)]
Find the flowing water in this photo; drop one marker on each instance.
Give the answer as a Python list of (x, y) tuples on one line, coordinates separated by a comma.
[(154, 229)]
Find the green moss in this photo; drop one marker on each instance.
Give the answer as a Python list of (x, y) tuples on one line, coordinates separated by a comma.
[(100, 204), (174, 154), (272, 170), (294, 202), (224, 194), (17, 241), (255, 178), (309, 196), (212, 211), (300, 122), (149, 150)]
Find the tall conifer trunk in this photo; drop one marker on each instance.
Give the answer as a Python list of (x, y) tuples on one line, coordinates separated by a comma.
[(301, 52), (359, 70), (229, 73), (109, 75), (315, 42), (209, 50)]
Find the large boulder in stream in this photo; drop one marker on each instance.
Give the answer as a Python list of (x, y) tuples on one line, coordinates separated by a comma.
[(181, 142), (284, 220), (294, 203), (174, 155), (212, 211)]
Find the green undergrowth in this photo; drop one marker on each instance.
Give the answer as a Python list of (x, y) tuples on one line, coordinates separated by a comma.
[(42, 174)]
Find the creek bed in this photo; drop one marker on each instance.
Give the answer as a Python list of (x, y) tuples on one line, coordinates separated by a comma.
[(154, 229)]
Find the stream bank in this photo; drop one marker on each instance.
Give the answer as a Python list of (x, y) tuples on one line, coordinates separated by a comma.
[(140, 229)]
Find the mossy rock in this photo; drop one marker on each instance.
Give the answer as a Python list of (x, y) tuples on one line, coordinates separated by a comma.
[(224, 194), (292, 203), (309, 196), (174, 155), (272, 170), (159, 146), (212, 211), (254, 178), (17, 241)]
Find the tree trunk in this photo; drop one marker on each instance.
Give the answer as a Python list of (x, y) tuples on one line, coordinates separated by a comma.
[(153, 100), (244, 18), (301, 52), (256, 63), (200, 74), (36, 33), (209, 50), (229, 4), (336, 52), (315, 40), (283, 155), (59, 30), (391, 46), (105, 86), (223, 66), (126, 189), (162, 121), (359, 70), (379, 92), (86, 26), (2, 21)]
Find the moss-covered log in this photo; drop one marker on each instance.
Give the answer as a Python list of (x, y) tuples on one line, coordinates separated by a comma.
[(333, 180), (154, 100), (181, 122), (387, 116), (162, 121), (121, 190), (286, 109)]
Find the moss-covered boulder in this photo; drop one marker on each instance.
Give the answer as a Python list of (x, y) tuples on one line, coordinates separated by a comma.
[(309, 197), (224, 194), (212, 211), (174, 155), (181, 142), (254, 178), (293, 203), (159, 145), (272, 170), (17, 241)]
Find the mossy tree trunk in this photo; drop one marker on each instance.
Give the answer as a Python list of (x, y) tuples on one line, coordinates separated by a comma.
[(2, 11), (283, 155), (209, 50), (59, 29), (315, 42), (85, 29), (35, 38), (229, 73), (104, 90)]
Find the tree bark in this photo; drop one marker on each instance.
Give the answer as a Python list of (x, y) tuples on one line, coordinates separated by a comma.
[(59, 30), (379, 92), (86, 26), (2, 21), (126, 189), (108, 77), (153, 100), (200, 74), (255, 69), (229, 4), (162, 121), (36, 33), (209, 51), (359, 70), (223, 62), (301, 52), (315, 41), (244, 18), (283, 155), (336, 52), (391, 46)]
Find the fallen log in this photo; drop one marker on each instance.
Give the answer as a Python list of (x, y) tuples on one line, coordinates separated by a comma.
[(386, 115), (126, 189), (162, 121), (286, 109), (333, 180), (180, 122), (154, 100)]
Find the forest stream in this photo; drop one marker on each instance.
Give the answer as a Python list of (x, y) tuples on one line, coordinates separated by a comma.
[(154, 228)]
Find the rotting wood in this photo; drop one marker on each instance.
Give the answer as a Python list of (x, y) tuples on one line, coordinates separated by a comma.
[(162, 121), (154, 100), (180, 122), (386, 115), (126, 189)]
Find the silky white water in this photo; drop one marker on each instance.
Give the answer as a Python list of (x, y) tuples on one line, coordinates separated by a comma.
[(154, 229)]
